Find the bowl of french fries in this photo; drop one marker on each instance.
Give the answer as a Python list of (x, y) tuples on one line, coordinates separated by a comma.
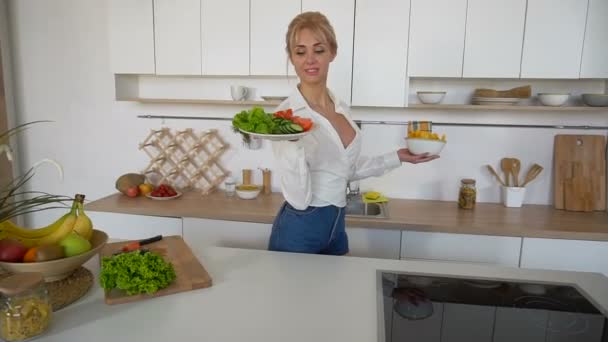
[(421, 142)]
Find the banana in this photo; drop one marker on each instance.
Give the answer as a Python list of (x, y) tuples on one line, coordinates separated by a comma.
[(66, 227), (9, 229), (83, 225)]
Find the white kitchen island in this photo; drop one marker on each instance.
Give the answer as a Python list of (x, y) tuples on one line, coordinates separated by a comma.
[(269, 296)]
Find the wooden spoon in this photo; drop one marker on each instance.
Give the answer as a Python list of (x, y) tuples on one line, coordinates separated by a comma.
[(533, 172), (495, 174), (505, 166), (515, 167)]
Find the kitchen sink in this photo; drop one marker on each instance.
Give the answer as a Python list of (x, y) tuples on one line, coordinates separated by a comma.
[(360, 209)]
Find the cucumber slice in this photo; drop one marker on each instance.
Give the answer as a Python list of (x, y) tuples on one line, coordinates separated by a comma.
[(296, 128)]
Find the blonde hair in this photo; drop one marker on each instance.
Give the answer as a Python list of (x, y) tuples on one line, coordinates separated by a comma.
[(318, 24)]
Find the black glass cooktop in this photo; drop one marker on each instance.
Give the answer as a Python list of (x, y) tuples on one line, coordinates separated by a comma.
[(442, 309)]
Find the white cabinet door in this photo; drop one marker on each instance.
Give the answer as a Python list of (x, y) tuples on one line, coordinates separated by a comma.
[(553, 40), (225, 37), (131, 36), (436, 38), (177, 33), (204, 232), (568, 255), (574, 327), (521, 325), (494, 35), (380, 53), (471, 323), (500, 250), (374, 243), (132, 227), (595, 48), (341, 15), (423, 330), (269, 21)]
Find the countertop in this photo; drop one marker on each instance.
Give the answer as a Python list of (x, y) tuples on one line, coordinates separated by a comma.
[(538, 221), (272, 296)]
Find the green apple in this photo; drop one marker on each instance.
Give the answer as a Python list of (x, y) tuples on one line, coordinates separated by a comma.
[(74, 244)]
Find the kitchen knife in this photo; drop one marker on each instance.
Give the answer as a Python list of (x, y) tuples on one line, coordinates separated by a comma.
[(131, 246)]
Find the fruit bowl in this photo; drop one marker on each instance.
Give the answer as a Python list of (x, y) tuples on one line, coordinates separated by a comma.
[(421, 146), (248, 191), (54, 270)]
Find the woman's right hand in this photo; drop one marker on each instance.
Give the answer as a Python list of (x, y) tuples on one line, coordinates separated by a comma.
[(408, 157)]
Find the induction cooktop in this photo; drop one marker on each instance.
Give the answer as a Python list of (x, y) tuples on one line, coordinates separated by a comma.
[(444, 309)]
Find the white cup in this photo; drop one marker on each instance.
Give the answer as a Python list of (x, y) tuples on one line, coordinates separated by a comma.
[(250, 94), (513, 197), (238, 93)]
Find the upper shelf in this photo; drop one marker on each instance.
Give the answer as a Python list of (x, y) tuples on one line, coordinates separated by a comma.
[(514, 108), (210, 102)]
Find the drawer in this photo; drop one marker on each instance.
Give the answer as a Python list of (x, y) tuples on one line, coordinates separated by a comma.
[(565, 255), (125, 226)]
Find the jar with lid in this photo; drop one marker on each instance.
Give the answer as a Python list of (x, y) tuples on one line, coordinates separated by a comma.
[(25, 308), (467, 195), (229, 187)]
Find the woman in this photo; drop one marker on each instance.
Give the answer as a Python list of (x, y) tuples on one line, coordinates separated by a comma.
[(315, 170)]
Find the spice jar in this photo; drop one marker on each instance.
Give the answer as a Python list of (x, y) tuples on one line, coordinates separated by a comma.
[(25, 308), (468, 194)]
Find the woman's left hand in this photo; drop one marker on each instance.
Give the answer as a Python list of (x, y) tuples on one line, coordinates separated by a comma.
[(406, 156)]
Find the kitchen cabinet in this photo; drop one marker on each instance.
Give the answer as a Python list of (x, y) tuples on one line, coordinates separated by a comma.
[(553, 40), (574, 327), (595, 49), (437, 29), (374, 243), (225, 43), (522, 325), (205, 232), (131, 36), (380, 53), (499, 250), (177, 37), (269, 21), (569, 255), (132, 227), (424, 330), (494, 34), (464, 322), (341, 15)]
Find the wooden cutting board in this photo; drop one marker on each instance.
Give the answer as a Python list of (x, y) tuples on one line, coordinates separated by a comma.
[(579, 166), (190, 274)]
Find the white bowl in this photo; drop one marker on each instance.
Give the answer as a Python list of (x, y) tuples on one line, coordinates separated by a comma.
[(554, 100), (596, 100), (248, 194), (420, 146), (431, 97)]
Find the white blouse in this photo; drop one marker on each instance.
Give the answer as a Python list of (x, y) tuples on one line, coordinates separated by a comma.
[(314, 170)]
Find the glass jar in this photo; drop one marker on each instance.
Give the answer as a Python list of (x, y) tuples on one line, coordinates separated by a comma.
[(25, 309), (230, 187), (467, 195)]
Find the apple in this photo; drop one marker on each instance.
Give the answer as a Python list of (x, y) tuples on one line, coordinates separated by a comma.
[(74, 244), (12, 250), (133, 191)]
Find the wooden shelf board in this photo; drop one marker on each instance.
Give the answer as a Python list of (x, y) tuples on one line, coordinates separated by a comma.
[(199, 101), (514, 108)]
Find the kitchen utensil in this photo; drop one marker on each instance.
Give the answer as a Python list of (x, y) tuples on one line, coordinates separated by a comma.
[(421, 146), (554, 100), (266, 181), (491, 169), (515, 167), (494, 101), (513, 197), (251, 192), (238, 93), (517, 92), (590, 152), (505, 166), (177, 195), (595, 100), (533, 172), (250, 94), (431, 97), (274, 98), (131, 246), (190, 274), (246, 176), (578, 191), (280, 137)]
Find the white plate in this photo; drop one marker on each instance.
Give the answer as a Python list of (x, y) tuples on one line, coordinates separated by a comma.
[(164, 198), (274, 98), (279, 137)]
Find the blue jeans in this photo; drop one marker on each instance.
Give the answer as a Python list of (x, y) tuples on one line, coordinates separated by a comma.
[(314, 230)]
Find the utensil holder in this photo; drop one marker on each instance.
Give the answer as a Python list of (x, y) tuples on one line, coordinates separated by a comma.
[(513, 197)]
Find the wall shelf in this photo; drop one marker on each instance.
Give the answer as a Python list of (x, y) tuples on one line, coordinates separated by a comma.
[(514, 108), (208, 102)]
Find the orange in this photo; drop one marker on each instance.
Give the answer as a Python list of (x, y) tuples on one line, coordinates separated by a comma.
[(146, 188), (30, 255)]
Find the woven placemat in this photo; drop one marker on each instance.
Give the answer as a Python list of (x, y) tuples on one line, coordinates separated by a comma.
[(68, 290)]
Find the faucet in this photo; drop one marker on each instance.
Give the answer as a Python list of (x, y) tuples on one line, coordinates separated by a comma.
[(352, 191)]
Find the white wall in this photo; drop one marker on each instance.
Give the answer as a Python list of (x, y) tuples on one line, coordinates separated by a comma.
[(62, 72)]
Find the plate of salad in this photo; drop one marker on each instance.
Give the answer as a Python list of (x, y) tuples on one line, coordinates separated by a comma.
[(282, 125)]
